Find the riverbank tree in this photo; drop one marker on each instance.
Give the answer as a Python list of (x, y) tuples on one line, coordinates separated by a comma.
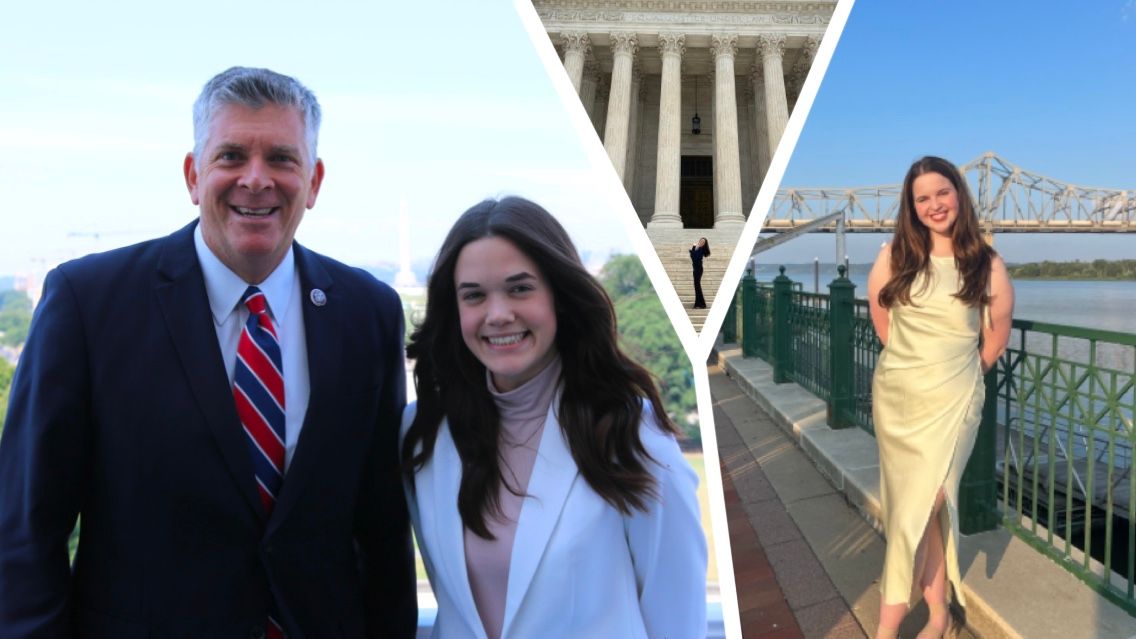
[(1076, 270)]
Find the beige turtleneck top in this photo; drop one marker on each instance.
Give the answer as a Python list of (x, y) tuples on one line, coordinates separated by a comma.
[(523, 412)]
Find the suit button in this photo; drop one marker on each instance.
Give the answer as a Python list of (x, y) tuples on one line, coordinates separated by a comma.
[(256, 632)]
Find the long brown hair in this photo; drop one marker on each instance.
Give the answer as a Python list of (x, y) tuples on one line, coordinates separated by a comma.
[(601, 404), (911, 246)]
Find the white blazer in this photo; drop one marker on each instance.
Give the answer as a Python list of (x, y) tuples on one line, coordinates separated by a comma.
[(579, 568)]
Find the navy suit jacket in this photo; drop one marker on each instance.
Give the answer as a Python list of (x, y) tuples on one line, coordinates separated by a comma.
[(121, 412)]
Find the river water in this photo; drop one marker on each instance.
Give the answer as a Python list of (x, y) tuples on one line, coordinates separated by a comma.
[(1105, 305)]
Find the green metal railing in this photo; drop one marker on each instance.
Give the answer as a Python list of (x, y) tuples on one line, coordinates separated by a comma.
[(1056, 441), (866, 349), (761, 318), (1065, 438), (809, 335), (764, 325)]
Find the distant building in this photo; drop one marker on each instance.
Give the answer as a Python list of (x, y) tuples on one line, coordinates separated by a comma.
[(405, 281), (10, 354), (30, 284)]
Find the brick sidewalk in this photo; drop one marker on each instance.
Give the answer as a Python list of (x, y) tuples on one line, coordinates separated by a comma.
[(783, 590), (764, 611)]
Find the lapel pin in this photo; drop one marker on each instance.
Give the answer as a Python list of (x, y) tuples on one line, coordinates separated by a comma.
[(318, 297)]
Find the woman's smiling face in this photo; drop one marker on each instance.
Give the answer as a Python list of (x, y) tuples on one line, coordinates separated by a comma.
[(936, 202), (507, 311)]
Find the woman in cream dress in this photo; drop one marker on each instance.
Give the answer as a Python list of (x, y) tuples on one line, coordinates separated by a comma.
[(941, 303)]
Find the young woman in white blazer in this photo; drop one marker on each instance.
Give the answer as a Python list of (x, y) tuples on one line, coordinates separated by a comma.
[(546, 488)]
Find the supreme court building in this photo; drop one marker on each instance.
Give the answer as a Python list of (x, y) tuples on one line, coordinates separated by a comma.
[(644, 69)]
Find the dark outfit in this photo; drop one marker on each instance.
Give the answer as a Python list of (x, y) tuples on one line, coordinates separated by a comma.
[(121, 410), (696, 255)]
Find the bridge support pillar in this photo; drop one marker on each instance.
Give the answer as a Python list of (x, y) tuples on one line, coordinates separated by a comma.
[(978, 490), (841, 252), (782, 335), (842, 293)]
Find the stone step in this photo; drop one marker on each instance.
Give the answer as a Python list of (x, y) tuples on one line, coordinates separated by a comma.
[(678, 274), (688, 278), (684, 263)]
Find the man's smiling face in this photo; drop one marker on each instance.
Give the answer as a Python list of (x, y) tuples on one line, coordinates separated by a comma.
[(253, 182)]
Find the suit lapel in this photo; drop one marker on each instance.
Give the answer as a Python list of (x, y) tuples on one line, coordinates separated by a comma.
[(438, 492), (185, 307), (552, 478), (321, 328)]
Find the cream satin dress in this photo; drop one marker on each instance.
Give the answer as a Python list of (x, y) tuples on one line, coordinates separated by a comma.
[(927, 396)]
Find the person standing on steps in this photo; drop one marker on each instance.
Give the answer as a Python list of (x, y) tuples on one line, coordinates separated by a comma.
[(699, 250)]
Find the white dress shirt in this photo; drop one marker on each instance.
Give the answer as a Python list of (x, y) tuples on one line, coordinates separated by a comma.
[(282, 290)]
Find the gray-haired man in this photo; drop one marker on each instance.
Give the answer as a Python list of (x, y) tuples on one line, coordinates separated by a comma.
[(221, 407)]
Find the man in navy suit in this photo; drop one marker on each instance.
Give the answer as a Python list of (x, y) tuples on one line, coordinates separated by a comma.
[(123, 411)]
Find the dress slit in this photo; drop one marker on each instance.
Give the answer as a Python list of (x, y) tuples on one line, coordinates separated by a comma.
[(948, 524), (915, 591)]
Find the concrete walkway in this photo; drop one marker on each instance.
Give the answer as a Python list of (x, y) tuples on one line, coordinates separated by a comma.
[(826, 483)]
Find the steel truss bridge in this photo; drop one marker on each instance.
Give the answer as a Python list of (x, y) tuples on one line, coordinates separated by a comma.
[(1008, 199)]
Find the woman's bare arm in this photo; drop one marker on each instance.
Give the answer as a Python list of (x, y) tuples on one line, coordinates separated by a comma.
[(996, 328), (877, 279)]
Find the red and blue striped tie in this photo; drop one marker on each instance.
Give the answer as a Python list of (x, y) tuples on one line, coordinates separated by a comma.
[(258, 388)]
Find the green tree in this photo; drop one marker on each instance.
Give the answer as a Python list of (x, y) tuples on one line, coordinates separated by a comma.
[(6, 371), (623, 276), (15, 317), (14, 300), (1076, 270), (648, 337)]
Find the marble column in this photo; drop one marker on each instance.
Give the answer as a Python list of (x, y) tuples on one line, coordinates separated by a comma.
[(576, 48), (727, 169), (599, 110), (801, 68), (633, 132), (588, 88), (776, 107), (760, 123), (668, 176), (712, 128), (616, 129), (750, 180)]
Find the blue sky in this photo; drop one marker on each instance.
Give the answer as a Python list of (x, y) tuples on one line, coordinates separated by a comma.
[(441, 103), (1049, 86)]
